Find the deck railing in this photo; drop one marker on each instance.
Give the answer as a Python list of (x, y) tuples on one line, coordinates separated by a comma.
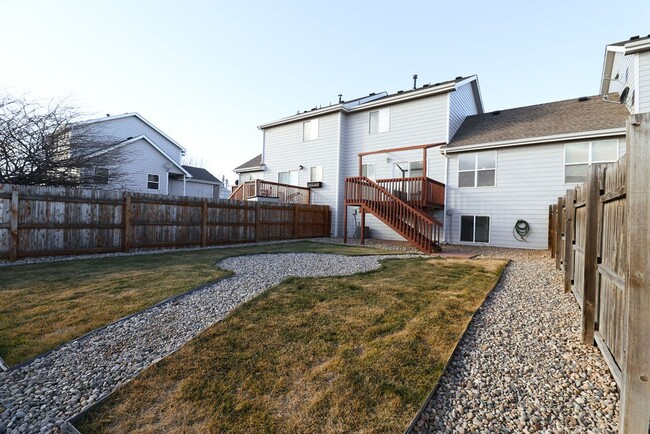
[(284, 192), (413, 224), (419, 191)]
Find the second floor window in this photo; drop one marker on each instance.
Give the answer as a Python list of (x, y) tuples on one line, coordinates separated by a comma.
[(310, 130), (477, 169), (379, 121), (316, 174), (579, 156)]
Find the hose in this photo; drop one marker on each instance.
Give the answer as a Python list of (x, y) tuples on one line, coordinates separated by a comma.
[(521, 230)]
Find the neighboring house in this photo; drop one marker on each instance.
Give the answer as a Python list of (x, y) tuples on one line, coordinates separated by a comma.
[(201, 184), (250, 170), (493, 170), (152, 161)]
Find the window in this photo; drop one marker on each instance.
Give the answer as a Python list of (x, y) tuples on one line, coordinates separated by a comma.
[(288, 177), (368, 170), (310, 130), (580, 155), (101, 176), (477, 169), (475, 229), (379, 121), (316, 174), (153, 182)]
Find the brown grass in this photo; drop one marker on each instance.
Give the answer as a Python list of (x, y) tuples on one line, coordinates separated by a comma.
[(331, 355), (45, 305)]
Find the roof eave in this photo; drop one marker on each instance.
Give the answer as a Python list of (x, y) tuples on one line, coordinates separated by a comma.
[(535, 140), (248, 169)]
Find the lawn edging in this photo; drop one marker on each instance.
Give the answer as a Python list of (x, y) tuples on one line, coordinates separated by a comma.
[(436, 386)]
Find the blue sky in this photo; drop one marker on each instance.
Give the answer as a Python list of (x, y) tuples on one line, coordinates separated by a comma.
[(208, 72)]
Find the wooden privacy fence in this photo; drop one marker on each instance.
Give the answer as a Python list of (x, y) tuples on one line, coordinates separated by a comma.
[(41, 221), (600, 239)]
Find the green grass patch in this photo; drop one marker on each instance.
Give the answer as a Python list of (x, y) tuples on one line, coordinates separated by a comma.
[(45, 305), (334, 355)]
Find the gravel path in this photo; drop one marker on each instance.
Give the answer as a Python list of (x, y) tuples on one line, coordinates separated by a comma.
[(521, 367), (39, 396)]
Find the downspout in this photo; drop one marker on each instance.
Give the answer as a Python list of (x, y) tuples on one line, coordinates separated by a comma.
[(184, 179), (444, 206), (263, 152), (338, 179)]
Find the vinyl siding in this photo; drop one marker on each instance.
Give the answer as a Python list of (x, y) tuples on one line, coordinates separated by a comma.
[(141, 160), (284, 150), (199, 189), (461, 104), (643, 93), (416, 122), (528, 180), (131, 126)]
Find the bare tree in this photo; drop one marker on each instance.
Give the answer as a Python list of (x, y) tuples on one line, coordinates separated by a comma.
[(46, 144)]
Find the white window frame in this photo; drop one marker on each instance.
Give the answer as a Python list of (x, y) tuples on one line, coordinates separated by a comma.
[(590, 157), (382, 122), (150, 182), (288, 173), (474, 216), (319, 174), (310, 130), (476, 170)]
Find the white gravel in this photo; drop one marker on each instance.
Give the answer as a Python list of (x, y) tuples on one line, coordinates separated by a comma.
[(41, 395), (521, 367)]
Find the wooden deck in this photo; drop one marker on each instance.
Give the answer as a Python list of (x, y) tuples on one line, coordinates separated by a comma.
[(284, 192)]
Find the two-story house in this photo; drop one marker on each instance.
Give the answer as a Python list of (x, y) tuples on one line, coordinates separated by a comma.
[(429, 159), (151, 160)]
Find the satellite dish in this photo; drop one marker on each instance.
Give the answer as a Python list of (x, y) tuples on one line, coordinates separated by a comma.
[(624, 95)]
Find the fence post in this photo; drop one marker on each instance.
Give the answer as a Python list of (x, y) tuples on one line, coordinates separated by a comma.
[(295, 221), (551, 233), (568, 238), (258, 210), (204, 223), (13, 227), (591, 256), (635, 393), (126, 222), (558, 234)]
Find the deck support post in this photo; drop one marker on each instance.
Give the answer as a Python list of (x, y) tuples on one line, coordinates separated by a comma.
[(363, 227), (345, 224)]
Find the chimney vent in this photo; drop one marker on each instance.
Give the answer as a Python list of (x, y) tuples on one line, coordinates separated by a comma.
[(340, 98), (415, 81)]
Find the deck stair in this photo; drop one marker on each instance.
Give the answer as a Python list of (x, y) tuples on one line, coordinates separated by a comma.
[(411, 222)]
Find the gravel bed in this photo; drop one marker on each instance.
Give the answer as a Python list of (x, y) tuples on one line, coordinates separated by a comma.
[(521, 367), (41, 395)]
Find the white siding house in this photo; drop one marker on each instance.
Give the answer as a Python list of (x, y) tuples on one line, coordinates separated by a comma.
[(152, 161), (627, 65), (326, 142)]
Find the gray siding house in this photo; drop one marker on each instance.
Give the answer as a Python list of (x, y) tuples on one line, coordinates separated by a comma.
[(152, 161), (500, 170)]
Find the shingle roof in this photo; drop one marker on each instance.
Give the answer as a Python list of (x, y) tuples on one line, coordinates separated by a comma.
[(201, 174), (633, 38), (252, 163), (554, 118)]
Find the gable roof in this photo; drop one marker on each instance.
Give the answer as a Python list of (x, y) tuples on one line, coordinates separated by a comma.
[(383, 98), (148, 140), (142, 119), (251, 165), (201, 174), (560, 119)]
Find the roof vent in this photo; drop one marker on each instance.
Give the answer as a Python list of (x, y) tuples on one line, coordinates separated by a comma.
[(340, 98), (400, 91), (372, 94), (437, 84), (108, 115), (426, 85), (415, 81), (583, 99), (497, 112), (632, 38), (460, 77)]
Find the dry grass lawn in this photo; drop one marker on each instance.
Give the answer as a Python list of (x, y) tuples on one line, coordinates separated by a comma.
[(45, 305), (331, 355)]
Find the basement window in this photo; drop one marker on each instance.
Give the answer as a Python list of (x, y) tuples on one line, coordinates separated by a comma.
[(475, 229), (153, 182)]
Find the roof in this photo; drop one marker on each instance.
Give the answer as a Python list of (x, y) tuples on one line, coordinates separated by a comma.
[(634, 44), (200, 174), (380, 99), (566, 117), (254, 163), (138, 116)]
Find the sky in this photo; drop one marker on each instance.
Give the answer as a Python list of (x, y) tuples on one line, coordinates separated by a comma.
[(207, 73)]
